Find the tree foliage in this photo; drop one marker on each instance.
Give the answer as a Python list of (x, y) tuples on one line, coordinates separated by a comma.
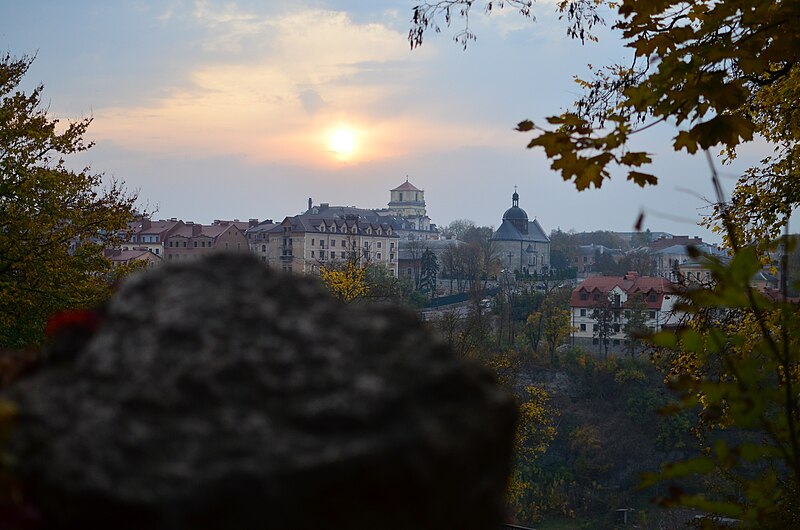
[(722, 74), (738, 361), (54, 221), (346, 281)]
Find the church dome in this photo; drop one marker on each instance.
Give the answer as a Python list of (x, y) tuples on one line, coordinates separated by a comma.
[(516, 215)]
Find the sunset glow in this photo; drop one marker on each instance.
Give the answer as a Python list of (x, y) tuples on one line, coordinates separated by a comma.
[(342, 142)]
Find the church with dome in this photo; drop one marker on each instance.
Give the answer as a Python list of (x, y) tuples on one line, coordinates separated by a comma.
[(522, 244)]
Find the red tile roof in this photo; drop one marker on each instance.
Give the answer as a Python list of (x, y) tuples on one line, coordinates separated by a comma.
[(630, 283)]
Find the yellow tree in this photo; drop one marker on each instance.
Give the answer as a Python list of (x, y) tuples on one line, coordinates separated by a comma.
[(54, 221), (346, 282)]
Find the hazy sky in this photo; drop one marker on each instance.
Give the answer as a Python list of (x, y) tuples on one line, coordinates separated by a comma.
[(221, 110)]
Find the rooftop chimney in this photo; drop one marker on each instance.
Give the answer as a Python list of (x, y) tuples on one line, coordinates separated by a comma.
[(310, 203)]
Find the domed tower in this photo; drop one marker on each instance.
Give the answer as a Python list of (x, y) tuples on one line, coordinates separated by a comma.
[(516, 215)]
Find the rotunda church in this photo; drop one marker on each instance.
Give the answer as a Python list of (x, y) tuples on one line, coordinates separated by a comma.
[(522, 244)]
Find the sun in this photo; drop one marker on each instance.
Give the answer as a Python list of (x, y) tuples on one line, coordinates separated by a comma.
[(342, 141)]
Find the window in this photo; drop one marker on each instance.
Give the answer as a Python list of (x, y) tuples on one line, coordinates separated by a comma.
[(596, 297), (652, 297), (333, 242), (583, 327), (312, 242), (344, 243), (312, 253), (321, 244), (195, 244), (263, 248), (409, 271), (652, 314), (616, 328), (391, 246), (379, 244), (583, 312), (321, 254), (342, 255), (391, 257), (584, 295), (379, 255), (184, 244)]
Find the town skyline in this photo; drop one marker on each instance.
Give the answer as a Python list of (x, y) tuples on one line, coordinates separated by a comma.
[(244, 110)]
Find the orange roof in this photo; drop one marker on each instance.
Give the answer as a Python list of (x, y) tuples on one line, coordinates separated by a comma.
[(630, 283), (406, 186)]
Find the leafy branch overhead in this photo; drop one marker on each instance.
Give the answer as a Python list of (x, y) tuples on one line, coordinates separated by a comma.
[(720, 72)]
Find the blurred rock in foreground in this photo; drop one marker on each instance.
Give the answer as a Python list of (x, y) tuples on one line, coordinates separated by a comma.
[(220, 395)]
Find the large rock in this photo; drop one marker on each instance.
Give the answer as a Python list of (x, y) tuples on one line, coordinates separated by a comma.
[(217, 394)]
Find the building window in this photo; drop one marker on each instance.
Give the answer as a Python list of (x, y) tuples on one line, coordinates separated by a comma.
[(312, 242), (583, 327), (321, 244), (184, 244), (195, 244), (379, 255), (391, 257), (584, 295), (379, 244), (263, 248), (344, 243), (312, 253), (616, 328), (391, 246), (583, 312), (342, 255), (333, 242), (409, 271)]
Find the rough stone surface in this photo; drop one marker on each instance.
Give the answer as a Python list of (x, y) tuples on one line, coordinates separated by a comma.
[(217, 394)]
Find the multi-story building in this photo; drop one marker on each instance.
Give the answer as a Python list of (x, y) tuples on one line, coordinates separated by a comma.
[(615, 296), (149, 234), (258, 238), (668, 254), (303, 243), (190, 240)]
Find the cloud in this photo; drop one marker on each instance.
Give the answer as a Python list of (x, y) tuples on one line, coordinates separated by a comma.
[(307, 72)]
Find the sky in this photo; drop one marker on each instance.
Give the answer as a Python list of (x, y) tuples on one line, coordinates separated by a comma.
[(245, 109)]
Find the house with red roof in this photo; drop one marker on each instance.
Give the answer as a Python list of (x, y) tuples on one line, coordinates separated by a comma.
[(614, 297)]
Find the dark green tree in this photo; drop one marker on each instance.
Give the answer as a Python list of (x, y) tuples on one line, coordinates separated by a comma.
[(429, 270)]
